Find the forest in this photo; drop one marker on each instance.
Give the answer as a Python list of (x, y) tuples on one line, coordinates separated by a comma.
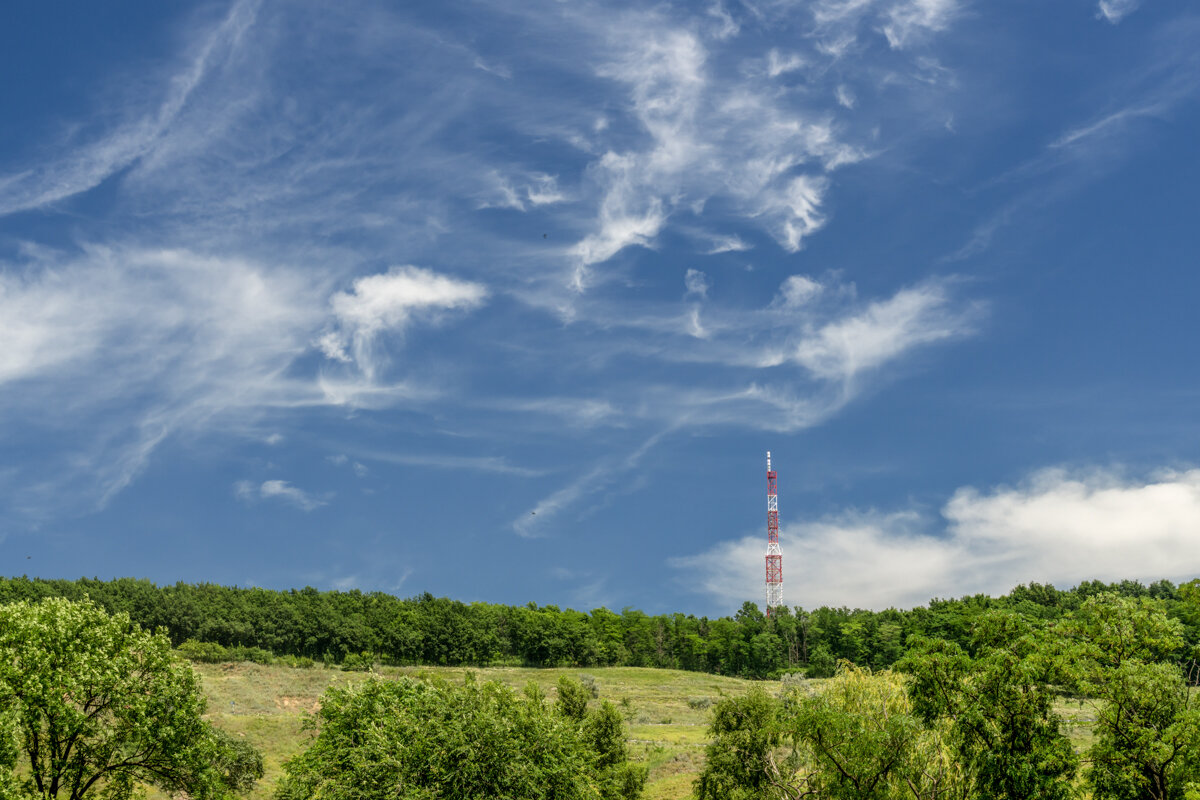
[(331, 626)]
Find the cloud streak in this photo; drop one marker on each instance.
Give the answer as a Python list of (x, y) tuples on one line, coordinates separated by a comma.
[(86, 167)]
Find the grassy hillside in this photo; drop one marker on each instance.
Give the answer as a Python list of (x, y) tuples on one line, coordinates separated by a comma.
[(666, 711)]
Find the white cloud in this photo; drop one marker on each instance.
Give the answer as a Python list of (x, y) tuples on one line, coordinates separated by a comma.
[(380, 303), (779, 64), (1058, 527), (727, 244), (494, 464), (844, 348), (130, 346), (845, 96), (291, 494), (1106, 124), (712, 134), (798, 209), (696, 283), (172, 337), (1116, 10), (909, 19), (543, 190), (537, 189), (799, 290), (248, 492)]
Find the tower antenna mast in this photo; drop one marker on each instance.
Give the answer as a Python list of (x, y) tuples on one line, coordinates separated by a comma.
[(774, 556)]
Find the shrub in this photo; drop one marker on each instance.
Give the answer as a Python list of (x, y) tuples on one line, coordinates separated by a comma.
[(432, 740), (572, 698), (358, 662), (301, 662), (590, 683), (255, 655), (205, 652)]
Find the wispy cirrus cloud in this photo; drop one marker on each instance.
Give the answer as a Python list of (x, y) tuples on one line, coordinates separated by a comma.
[(885, 330), (85, 165), (1116, 10), (278, 296), (745, 140), (213, 340), (1059, 527), (543, 518)]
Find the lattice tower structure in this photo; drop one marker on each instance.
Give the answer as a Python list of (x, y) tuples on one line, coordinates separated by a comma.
[(774, 556)]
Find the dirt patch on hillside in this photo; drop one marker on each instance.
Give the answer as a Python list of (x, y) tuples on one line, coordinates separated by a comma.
[(297, 703)]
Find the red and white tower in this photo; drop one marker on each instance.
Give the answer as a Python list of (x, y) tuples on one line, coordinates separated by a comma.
[(774, 556)]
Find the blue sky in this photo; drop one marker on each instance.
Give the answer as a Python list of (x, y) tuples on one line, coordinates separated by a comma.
[(507, 303)]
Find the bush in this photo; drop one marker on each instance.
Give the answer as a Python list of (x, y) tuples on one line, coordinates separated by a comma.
[(744, 731), (590, 683), (432, 739), (358, 662), (205, 652), (255, 655), (301, 662), (699, 703), (572, 698)]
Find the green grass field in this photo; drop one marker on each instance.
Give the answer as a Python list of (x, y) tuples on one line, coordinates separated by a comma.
[(666, 711)]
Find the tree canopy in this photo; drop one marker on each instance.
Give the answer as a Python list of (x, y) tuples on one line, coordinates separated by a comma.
[(432, 739), (93, 706)]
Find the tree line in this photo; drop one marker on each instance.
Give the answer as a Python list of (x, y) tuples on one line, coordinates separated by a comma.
[(981, 722), (331, 626)]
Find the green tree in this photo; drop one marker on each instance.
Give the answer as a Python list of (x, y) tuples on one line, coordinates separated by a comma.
[(822, 664), (572, 698), (604, 731), (855, 738), (1148, 735), (998, 707), (744, 731), (432, 739), (95, 706), (1110, 629)]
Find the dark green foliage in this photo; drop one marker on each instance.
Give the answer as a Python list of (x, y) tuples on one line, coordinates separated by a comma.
[(822, 664), (744, 730), (999, 707), (428, 740), (257, 624), (358, 662)]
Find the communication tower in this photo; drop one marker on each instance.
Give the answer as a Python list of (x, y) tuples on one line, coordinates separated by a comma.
[(774, 556)]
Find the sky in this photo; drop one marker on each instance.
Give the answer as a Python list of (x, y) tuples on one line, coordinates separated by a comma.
[(507, 302)]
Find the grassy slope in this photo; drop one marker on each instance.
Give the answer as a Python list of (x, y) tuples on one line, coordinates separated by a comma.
[(268, 706)]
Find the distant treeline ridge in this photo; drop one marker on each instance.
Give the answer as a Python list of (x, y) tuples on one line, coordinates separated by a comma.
[(331, 625)]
